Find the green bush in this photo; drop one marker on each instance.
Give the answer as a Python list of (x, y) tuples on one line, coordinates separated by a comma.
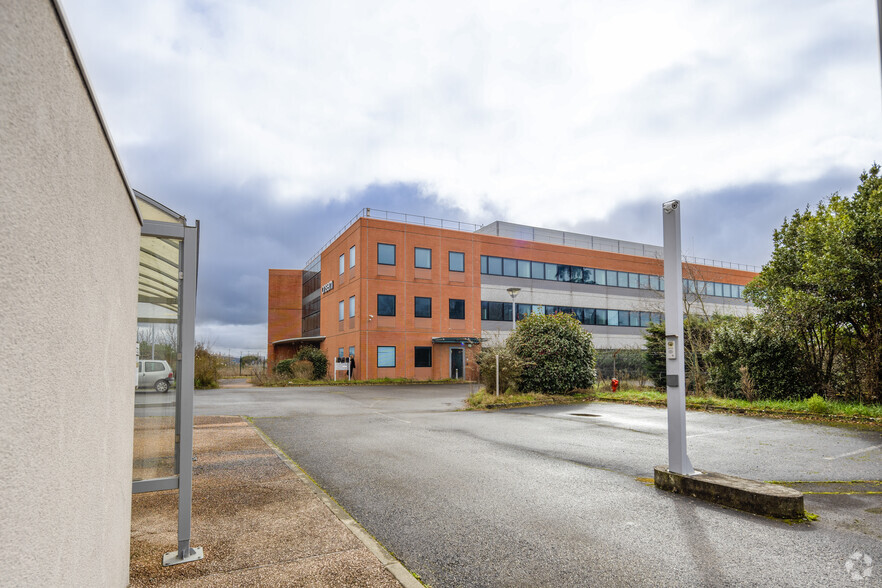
[(509, 369), (556, 354), (283, 368), (206, 368), (817, 405), (318, 360), (774, 370)]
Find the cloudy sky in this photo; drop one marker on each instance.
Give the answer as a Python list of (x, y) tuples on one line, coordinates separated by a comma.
[(275, 122)]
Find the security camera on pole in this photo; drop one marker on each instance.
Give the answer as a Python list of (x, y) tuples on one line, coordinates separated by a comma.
[(678, 461)]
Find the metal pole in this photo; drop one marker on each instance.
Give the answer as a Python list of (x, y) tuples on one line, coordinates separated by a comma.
[(879, 17), (497, 373), (678, 461)]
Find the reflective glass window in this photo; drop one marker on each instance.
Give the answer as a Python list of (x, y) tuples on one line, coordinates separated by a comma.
[(537, 270), (635, 318), (506, 311), (422, 357), (351, 306), (600, 316), (612, 318), (483, 264), (509, 267), (588, 316), (538, 309), (600, 278), (645, 318), (342, 263), (457, 308), (385, 356), (653, 282), (456, 261), (485, 310), (385, 304), (727, 290), (340, 352), (661, 284), (551, 271), (563, 273), (633, 280), (352, 351), (657, 317), (385, 254), (644, 282), (523, 269), (352, 256), (422, 307), (718, 289), (524, 310), (494, 266), (587, 275), (623, 279), (342, 312), (422, 258)]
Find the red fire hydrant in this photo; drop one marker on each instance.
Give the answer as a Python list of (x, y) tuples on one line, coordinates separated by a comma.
[(615, 384)]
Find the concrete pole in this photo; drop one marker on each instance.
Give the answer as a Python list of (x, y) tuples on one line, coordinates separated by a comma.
[(497, 374), (678, 461)]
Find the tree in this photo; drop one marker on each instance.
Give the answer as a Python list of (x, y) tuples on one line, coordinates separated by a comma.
[(824, 284), (697, 337), (557, 355)]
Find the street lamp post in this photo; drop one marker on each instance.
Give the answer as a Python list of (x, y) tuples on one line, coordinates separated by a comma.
[(514, 315)]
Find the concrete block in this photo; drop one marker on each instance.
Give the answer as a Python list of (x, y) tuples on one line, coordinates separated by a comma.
[(760, 498)]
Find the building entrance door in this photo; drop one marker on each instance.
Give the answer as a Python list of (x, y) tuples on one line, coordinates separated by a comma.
[(456, 363)]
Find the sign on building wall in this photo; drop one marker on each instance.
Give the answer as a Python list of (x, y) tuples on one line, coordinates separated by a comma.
[(328, 287)]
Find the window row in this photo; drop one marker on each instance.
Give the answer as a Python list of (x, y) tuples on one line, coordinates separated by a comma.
[(422, 306), (351, 259), (422, 257), (342, 308), (537, 270), (501, 311), (422, 356)]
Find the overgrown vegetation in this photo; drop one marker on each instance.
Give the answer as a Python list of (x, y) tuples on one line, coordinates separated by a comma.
[(207, 366), (510, 367), (556, 355), (318, 360)]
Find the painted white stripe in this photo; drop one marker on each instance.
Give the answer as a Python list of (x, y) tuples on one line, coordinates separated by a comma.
[(850, 453)]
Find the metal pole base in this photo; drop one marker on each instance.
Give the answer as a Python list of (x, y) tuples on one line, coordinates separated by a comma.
[(173, 558)]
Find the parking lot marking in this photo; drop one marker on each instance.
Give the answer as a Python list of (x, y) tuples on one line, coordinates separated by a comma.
[(735, 430), (850, 453)]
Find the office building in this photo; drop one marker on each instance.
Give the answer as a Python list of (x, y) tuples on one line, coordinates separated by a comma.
[(414, 297)]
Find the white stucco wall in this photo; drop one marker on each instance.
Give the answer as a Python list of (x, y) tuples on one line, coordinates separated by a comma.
[(69, 258)]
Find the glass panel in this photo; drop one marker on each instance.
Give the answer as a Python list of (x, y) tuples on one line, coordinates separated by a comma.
[(495, 311), (385, 357), (483, 264), (509, 267), (157, 365), (635, 318), (506, 312), (653, 282), (718, 289), (658, 318), (523, 310), (422, 357), (612, 318), (538, 309), (352, 351), (600, 277), (456, 260), (385, 305), (563, 273), (600, 316), (587, 275), (644, 282), (485, 310), (523, 269), (494, 266), (537, 270), (352, 306), (661, 284), (633, 280), (727, 290), (645, 318), (341, 311), (352, 256), (385, 254), (422, 258), (588, 316), (422, 307), (551, 271), (457, 308)]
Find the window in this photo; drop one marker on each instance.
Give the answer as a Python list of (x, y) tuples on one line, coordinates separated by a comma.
[(718, 289), (422, 357), (341, 310), (509, 267), (457, 308), (633, 280), (352, 256), (551, 271), (351, 306), (600, 277), (422, 307), (727, 290), (385, 254), (456, 261), (612, 317), (483, 264), (385, 304), (385, 357), (523, 269), (600, 316), (352, 351), (422, 258), (653, 283), (537, 270), (342, 263), (494, 266), (340, 352)]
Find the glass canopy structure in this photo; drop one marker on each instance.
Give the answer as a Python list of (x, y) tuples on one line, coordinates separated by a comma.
[(163, 436)]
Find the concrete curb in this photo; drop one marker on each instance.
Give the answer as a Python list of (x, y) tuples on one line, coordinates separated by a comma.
[(760, 498), (395, 567)]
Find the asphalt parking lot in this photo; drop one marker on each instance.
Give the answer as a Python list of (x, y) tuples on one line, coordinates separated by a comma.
[(557, 496)]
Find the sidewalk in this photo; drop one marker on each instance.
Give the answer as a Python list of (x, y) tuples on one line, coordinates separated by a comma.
[(259, 522)]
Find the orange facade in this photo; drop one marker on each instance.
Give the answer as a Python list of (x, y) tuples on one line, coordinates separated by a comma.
[(358, 288)]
